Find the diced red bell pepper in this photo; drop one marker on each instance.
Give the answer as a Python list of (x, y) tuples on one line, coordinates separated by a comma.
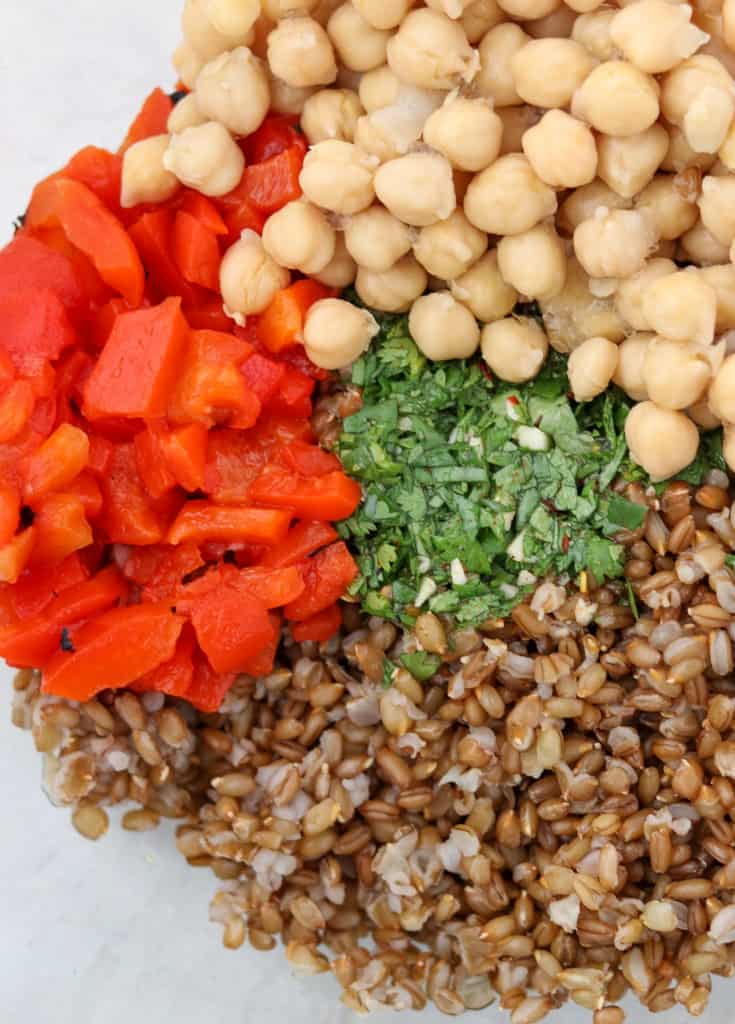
[(196, 251), (261, 664), (327, 576), (200, 521), (86, 488), (302, 540), (203, 210), (160, 570), (7, 370), (293, 397), (96, 291), (31, 642), (59, 460), (100, 171), (282, 323), (9, 513), (150, 120), (35, 327), (276, 134), (307, 459), (16, 406), (26, 264), (100, 454), (332, 496), (130, 515), (263, 376), (15, 555), (152, 234), (208, 688), (208, 315), (231, 626), (113, 650), (90, 226), (185, 454), (104, 319), (61, 528), (272, 587), (136, 370), (320, 627), (270, 185), (154, 471), (210, 386), (173, 677), (36, 588), (71, 374)]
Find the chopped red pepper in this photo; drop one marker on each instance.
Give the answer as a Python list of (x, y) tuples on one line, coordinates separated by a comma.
[(263, 376), (196, 251), (320, 627), (173, 677), (231, 626), (58, 461), (36, 588), (130, 515), (277, 133), (61, 528), (16, 406), (9, 513), (331, 496), (100, 171), (151, 119), (327, 575), (302, 540), (208, 688), (269, 185), (15, 555), (201, 521), (203, 210), (35, 327), (152, 234), (27, 264), (282, 323)]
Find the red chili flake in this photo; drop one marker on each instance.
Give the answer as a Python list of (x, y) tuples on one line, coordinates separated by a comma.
[(565, 543), (513, 399)]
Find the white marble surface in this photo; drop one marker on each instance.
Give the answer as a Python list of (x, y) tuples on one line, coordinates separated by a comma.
[(117, 931)]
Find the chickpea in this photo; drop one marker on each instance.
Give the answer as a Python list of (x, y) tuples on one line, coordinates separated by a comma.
[(300, 237), (508, 197), (431, 51), (288, 99), (516, 121), (276, 10), (656, 35), (494, 80), (662, 441), (331, 114), (680, 156), (698, 245), (529, 10), (681, 306), (443, 328), (591, 368), (483, 290), (726, 152), (233, 89), (449, 248), (728, 24), (716, 207), (697, 96), (203, 36), (187, 64), (186, 114), (359, 45), (452, 8), (676, 375), (383, 13), (561, 150), (479, 18), (700, 413), (557, 25), (378, 89), (145, 179), (376, 239), (585, 6), (722, 392), (467, 132), (629, 163), (629, 372), (300, 53), (417, 188), (205, 158), (248, 277), (338, 176), (233, 18), (514, 348), (722, 279), (672, 214), (372, 137), (341, 270), (336, 333), (615, 243), (575, 314), (547, 72), (617, 98), (593, 32), (630, 292), (534, 262), (394, 290)]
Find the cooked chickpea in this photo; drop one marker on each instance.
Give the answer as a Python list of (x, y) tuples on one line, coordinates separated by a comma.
[(233, 18), (494, 80), (656, 35), (676, 375), (561, 150), (467, 132), (483, 290), (698, 245), (203, 35), (300, 53), (629, 163), (547, 72), (672, 212), (534, 262), (591, 368), (359, 45), (417, 188), (187, 63), (331, 114), (629, 294), (205, 158), (722, 279), (629, 372), (377, 139), (376, 239), (383, 13), (248, 277), (145, 179), (508, 197), (728, 24), (585, 6), (717, 207), (186, 114), (592, 30), (443, 328), (680, 156), (338, 176), (450, 247), (516, 121), (722, 392), (617, 98), (276, 10), (431, 51), (726, 152), (336, 333), (697, 95), (575, 314), (288, 99), (479, 18), (615, 243), (662, 441), (529, 10), (582, 204), (233, 89), (394, 290), (341, 270), (514, 348), (378, 89), (452, 8), (557, 25), (701, 414), (681, 306), (300, 237)]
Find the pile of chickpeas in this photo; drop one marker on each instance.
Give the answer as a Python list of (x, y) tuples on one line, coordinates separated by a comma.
[(468, 154)]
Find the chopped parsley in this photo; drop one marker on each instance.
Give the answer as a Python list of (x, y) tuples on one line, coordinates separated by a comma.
[(473, 488)]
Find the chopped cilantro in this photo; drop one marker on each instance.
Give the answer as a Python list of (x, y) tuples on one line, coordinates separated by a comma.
[(388, 671), (421, 664)]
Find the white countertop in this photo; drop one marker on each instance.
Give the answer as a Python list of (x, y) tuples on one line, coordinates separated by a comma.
[(117, 932)]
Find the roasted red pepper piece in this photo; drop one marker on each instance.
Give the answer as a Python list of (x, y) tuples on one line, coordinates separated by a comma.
[(196, 251), (302, 540), (276, 134), (210, 386), (320, 627), (307, 459), (152, 234), (327, 575), (100, 171), (130, 516), (332, 496), (293, 397), (201, 521), (35, 327), (272, 587), (231, 626), (208, 688), (113, 650), (16, 406), (204, 210), (282, 323), (61, 528), (269, 185), (184, 451), (173, 677), (36, 588), (151, 119), (263, 376), (86, 488), (26, 264), (153, 469), (262, 663), (15, 555), (9, 513), (137, 369), (58, 461)]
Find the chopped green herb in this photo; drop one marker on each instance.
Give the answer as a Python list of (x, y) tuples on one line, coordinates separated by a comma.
[(421, 664), (631, 599), (388, 672)]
